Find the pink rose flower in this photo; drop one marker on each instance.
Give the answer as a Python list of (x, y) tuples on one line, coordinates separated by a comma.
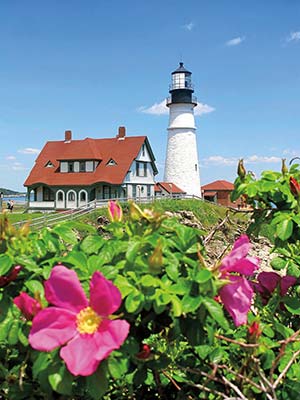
[(268, 281), (83, 326), (115, 211), (27, 305), (237, 294)]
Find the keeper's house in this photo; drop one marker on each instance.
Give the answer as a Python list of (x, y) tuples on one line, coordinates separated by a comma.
[(71, 173)]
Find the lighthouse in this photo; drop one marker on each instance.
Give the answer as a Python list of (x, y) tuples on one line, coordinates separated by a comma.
[(182, 165)]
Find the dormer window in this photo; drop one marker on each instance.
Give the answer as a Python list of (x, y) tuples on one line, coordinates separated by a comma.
[(49, 165), (82, 166), (111, 162), (70, 166)]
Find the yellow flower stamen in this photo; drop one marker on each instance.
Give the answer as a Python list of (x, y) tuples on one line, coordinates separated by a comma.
[(88, 321)]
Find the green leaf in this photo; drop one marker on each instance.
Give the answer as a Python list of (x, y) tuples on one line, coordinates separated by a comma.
[(149, 280), (61, 381), (176, 306), (92, 244), (292, 305), (13, 334), (97, 384), (5, 328), (40, 364), (35, 287), (203, 276), (190, 303), (216, 312), (66, 233), (132, 251), (172, 271), (5, 264), (124, 286), (134, 301), (117, 367), (278, 263), (284, 229)]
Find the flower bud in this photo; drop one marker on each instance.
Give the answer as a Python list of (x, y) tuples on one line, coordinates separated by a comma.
[(27, 305), (144, 353), (156, 259), (6, 279), (115, 211), (295, 187), (284, 168), (241, 171), (254, 330)]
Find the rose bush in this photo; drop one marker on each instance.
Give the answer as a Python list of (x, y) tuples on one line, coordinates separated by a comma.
[(161, 321)]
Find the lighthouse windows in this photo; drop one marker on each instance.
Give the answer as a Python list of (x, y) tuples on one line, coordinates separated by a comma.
[(178, 81), (196, 167)]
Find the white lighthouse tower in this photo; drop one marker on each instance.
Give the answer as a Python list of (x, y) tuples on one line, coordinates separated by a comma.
[(182, 165)]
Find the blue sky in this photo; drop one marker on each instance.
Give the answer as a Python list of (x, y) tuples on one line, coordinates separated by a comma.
[(91, 66)]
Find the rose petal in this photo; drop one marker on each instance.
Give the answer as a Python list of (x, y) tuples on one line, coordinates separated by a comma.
[(268, 280), (52, 327), (236, 297), (285, 283), (105, 297), (79, 355), (63, 289), (240, 250), (83, 354)]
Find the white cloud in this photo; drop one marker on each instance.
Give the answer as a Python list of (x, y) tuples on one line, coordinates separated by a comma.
[(189, 26), (202, 108), (162, 109), (156, 109), (29, 150), (293, 36), (10, 158), (235, 41), (261, 159), (254, 159)]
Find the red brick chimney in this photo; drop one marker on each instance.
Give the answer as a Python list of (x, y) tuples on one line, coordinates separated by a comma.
[(121, 133), (68, 136)]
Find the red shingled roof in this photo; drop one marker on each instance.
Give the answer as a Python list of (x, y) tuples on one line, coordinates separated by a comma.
[(218, 185), (123, 152), (169, 187)]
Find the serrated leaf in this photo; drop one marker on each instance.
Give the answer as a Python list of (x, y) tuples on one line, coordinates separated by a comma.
[(92, 244), (66, 233), (97, 384), (284, 229), (5, 264), (216, 312), (35, 286), (292, 305)]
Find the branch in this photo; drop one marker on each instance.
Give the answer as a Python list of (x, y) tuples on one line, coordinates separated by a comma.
[(171, 380), (235, 388), (295, 355), (247, 345), (215, 229)]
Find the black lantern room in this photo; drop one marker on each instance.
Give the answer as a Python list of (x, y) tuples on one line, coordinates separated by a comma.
[(181, 88)]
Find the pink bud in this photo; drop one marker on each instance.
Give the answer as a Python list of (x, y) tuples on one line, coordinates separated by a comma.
[(27, 305), (115, 211)]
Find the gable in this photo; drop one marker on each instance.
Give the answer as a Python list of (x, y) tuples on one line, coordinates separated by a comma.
[(108, 151)]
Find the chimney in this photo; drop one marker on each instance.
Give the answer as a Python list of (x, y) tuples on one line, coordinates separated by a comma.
[(121, 133), (68, 136)]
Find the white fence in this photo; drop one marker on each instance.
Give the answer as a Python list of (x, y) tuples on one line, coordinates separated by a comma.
[(48, 220)]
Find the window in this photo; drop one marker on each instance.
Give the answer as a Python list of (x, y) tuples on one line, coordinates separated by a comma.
[(70, 166), (148, 190), (196, 167), (141, 168), (82, 196), (49, 165), (71, 196), (48, 194), (111, 162), (60, 196), (134, 191), (82, 166), (143, 150)]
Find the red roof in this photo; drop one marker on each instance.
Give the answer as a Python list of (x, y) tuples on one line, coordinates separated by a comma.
[(218, 185), (210, 194), (169, 187), (123, 152)]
